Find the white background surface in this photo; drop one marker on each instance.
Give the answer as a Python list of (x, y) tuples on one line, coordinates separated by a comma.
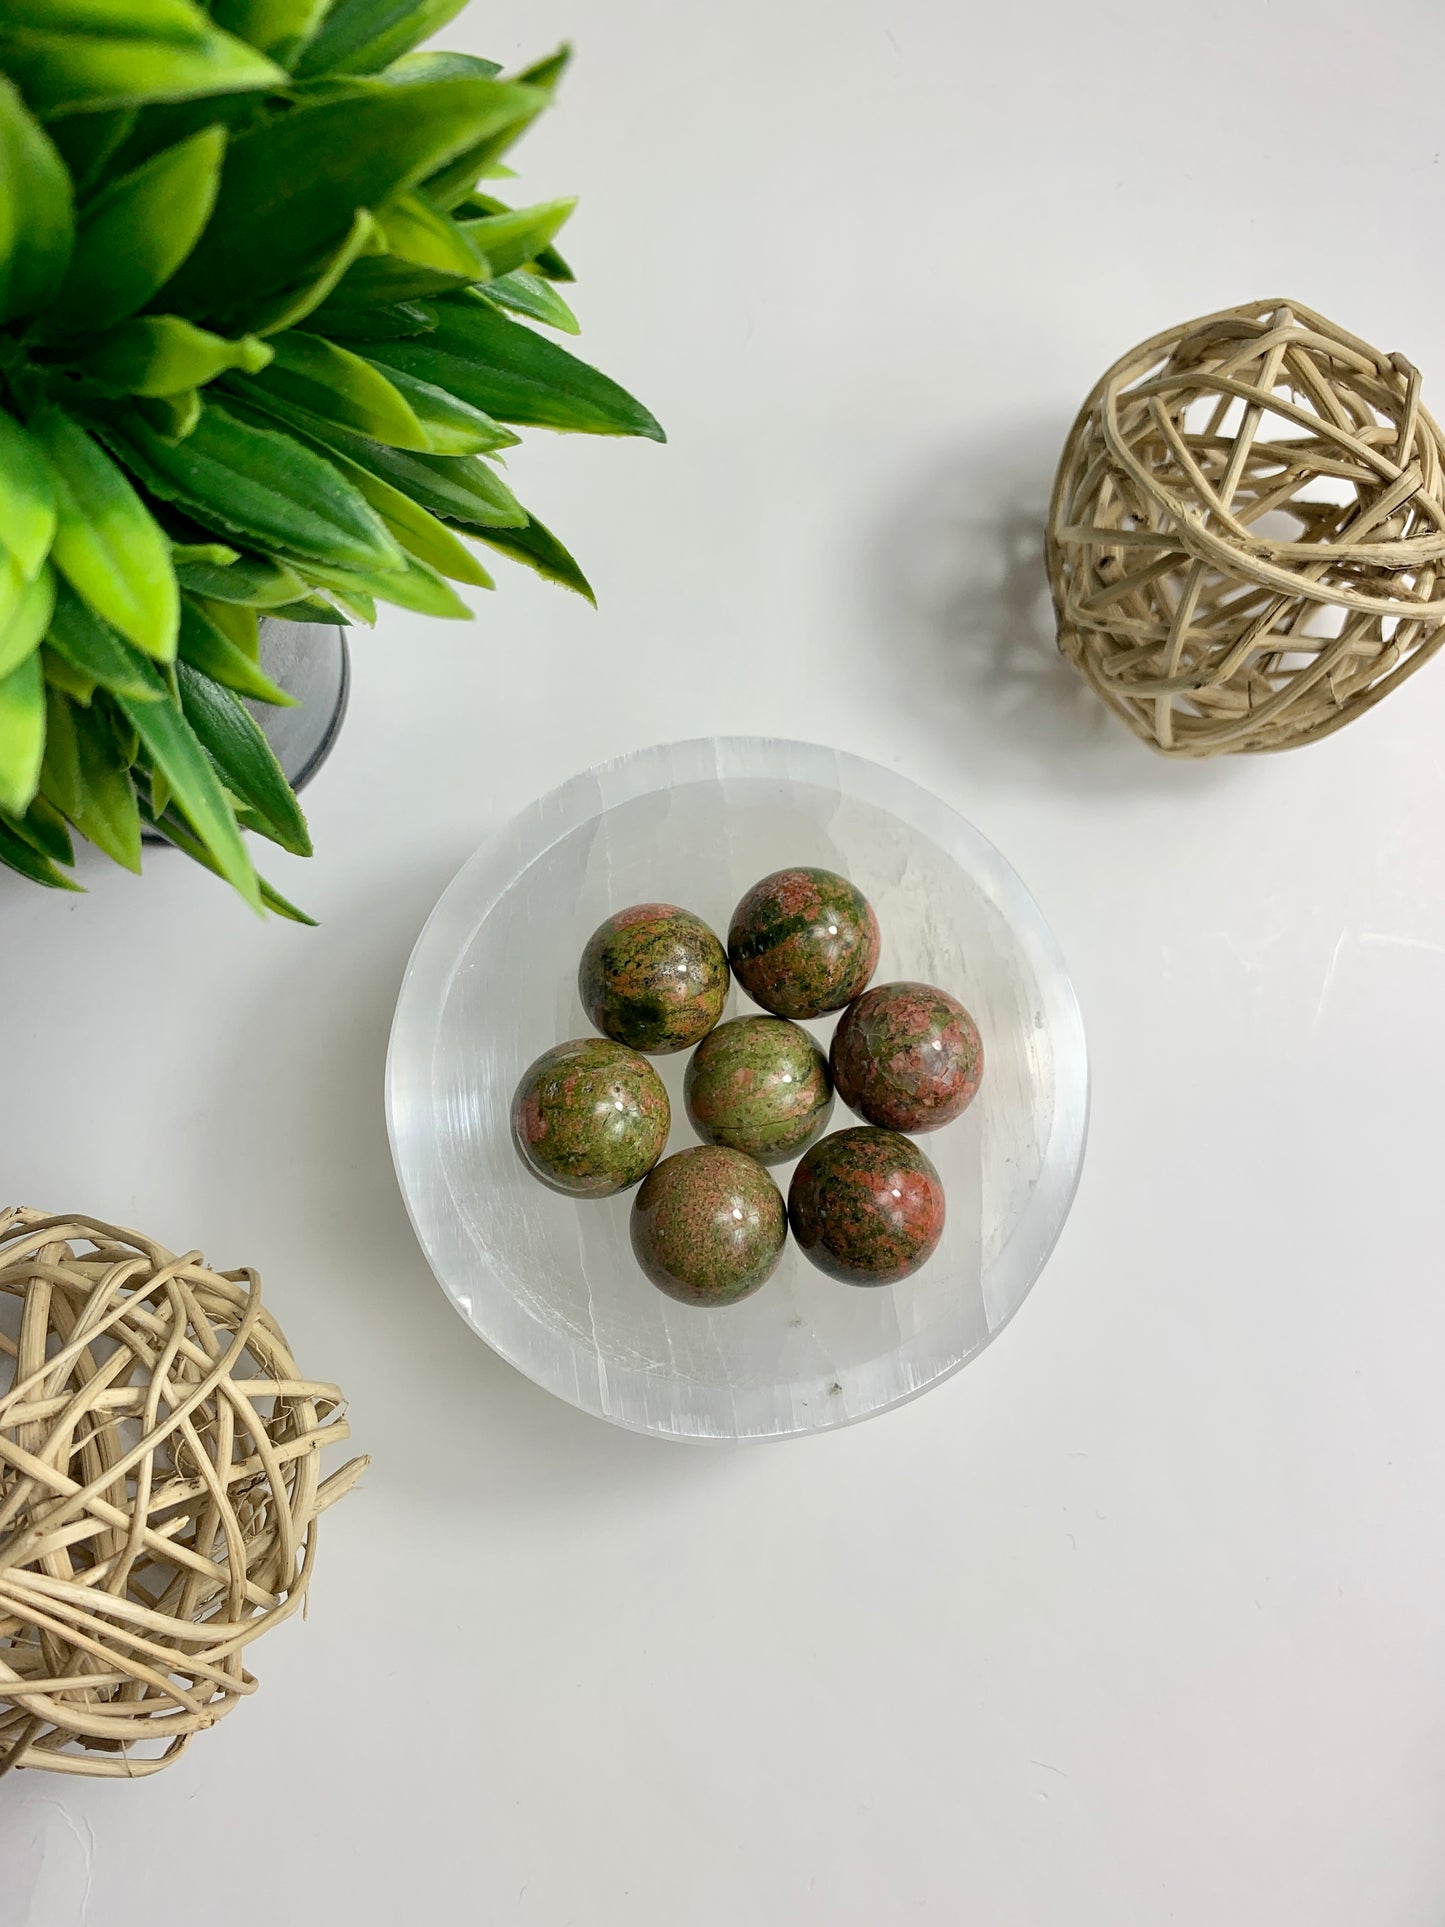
[(1138, 1620)]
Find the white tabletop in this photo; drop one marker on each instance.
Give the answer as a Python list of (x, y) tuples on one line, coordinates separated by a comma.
[(1135, 1621)]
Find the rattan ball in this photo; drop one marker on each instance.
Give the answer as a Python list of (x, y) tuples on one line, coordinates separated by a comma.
[(159, 1489), (1247, 533)]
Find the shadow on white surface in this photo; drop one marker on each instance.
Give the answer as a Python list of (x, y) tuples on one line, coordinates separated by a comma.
[(957, 580)]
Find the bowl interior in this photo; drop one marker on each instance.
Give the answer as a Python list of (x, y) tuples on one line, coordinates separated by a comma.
[(552, 1283)]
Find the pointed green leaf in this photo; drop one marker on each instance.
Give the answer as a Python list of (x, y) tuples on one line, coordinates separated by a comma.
[(27, 497), (254, 581), (417, 587), (247, 765), (516, 375), (65, 72), (88, 142), (18, 855), (547, 261), (360, 36), (259, 484), (291, 188), (64, 676), (538, 549), (317, 280), (43, 828), (26, 619), (391, 322), (96, 652), (36, 220), (161, 355), (106, 814), (510, 240), (452, 427), (213, 654), (107, 544), (174, 829), (280, 28), (177, 22), (131, 240), (533, 296), (425, 253), (173, 749), (329, 381), (436, 63), (457, 180), (60, 780), (311, 611), (22, 734), (239, 624)]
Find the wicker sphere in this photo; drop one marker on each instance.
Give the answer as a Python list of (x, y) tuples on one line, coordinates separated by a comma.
[(1247, 532), (159, 1488)]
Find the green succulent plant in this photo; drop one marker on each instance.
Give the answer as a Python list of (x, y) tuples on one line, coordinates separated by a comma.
[(265, 331)]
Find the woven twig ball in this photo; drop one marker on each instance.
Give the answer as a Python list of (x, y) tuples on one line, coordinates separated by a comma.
[(1247, 532), (159, 1488)]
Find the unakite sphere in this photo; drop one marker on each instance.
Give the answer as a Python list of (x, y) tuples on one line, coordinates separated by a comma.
[(760, 1085), (708, 1226), (590, 1118), (866, 1206), (654, 977), (907, 1057), (803, 942)]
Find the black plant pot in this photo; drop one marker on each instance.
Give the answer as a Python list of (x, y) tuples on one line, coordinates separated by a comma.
[(310, 660)]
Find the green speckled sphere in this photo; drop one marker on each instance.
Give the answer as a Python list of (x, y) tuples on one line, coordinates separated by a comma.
[(759, 1085), (708, 1226), (654, 977), (803, 942), (908, 1057), (866, 1206), (590, 1118)]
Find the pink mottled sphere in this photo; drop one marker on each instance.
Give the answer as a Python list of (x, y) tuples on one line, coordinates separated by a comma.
[(907, 1057)]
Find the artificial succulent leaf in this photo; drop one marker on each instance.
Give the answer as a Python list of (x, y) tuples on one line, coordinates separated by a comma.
[(453, 427), (165, 822), (248, 767), (539, 550), (313, 609), (132, 237), (212, 653), (426, 253), (21, 856), (107, 544), (290, 188), (82, 70), (178, 22), (416, 587), (508, 371), (361, 36), (27, 497), (280, 28), (436, 63), (59, 674), (106, 814), (162, 355), (329, 381), (26, 619), (171, 745), (37, 222), (253, 581), (295, 303), (256, 482), (511, 239), (43, 828), (392, 322), (22, 734), (94, 650), (532, 296)]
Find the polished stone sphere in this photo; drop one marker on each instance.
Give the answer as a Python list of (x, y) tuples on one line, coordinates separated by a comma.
[(708, 1226), (653, 977), (907, 1057), (866, 1206), (803, 942), (759, 1085), (590, 1118)]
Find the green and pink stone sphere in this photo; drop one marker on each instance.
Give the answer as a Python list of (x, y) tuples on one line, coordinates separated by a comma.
[(708, 1226), (907, 1057), (590, 1118), (653, 977), (760, 1085), (866, 1206), (803, 942)]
